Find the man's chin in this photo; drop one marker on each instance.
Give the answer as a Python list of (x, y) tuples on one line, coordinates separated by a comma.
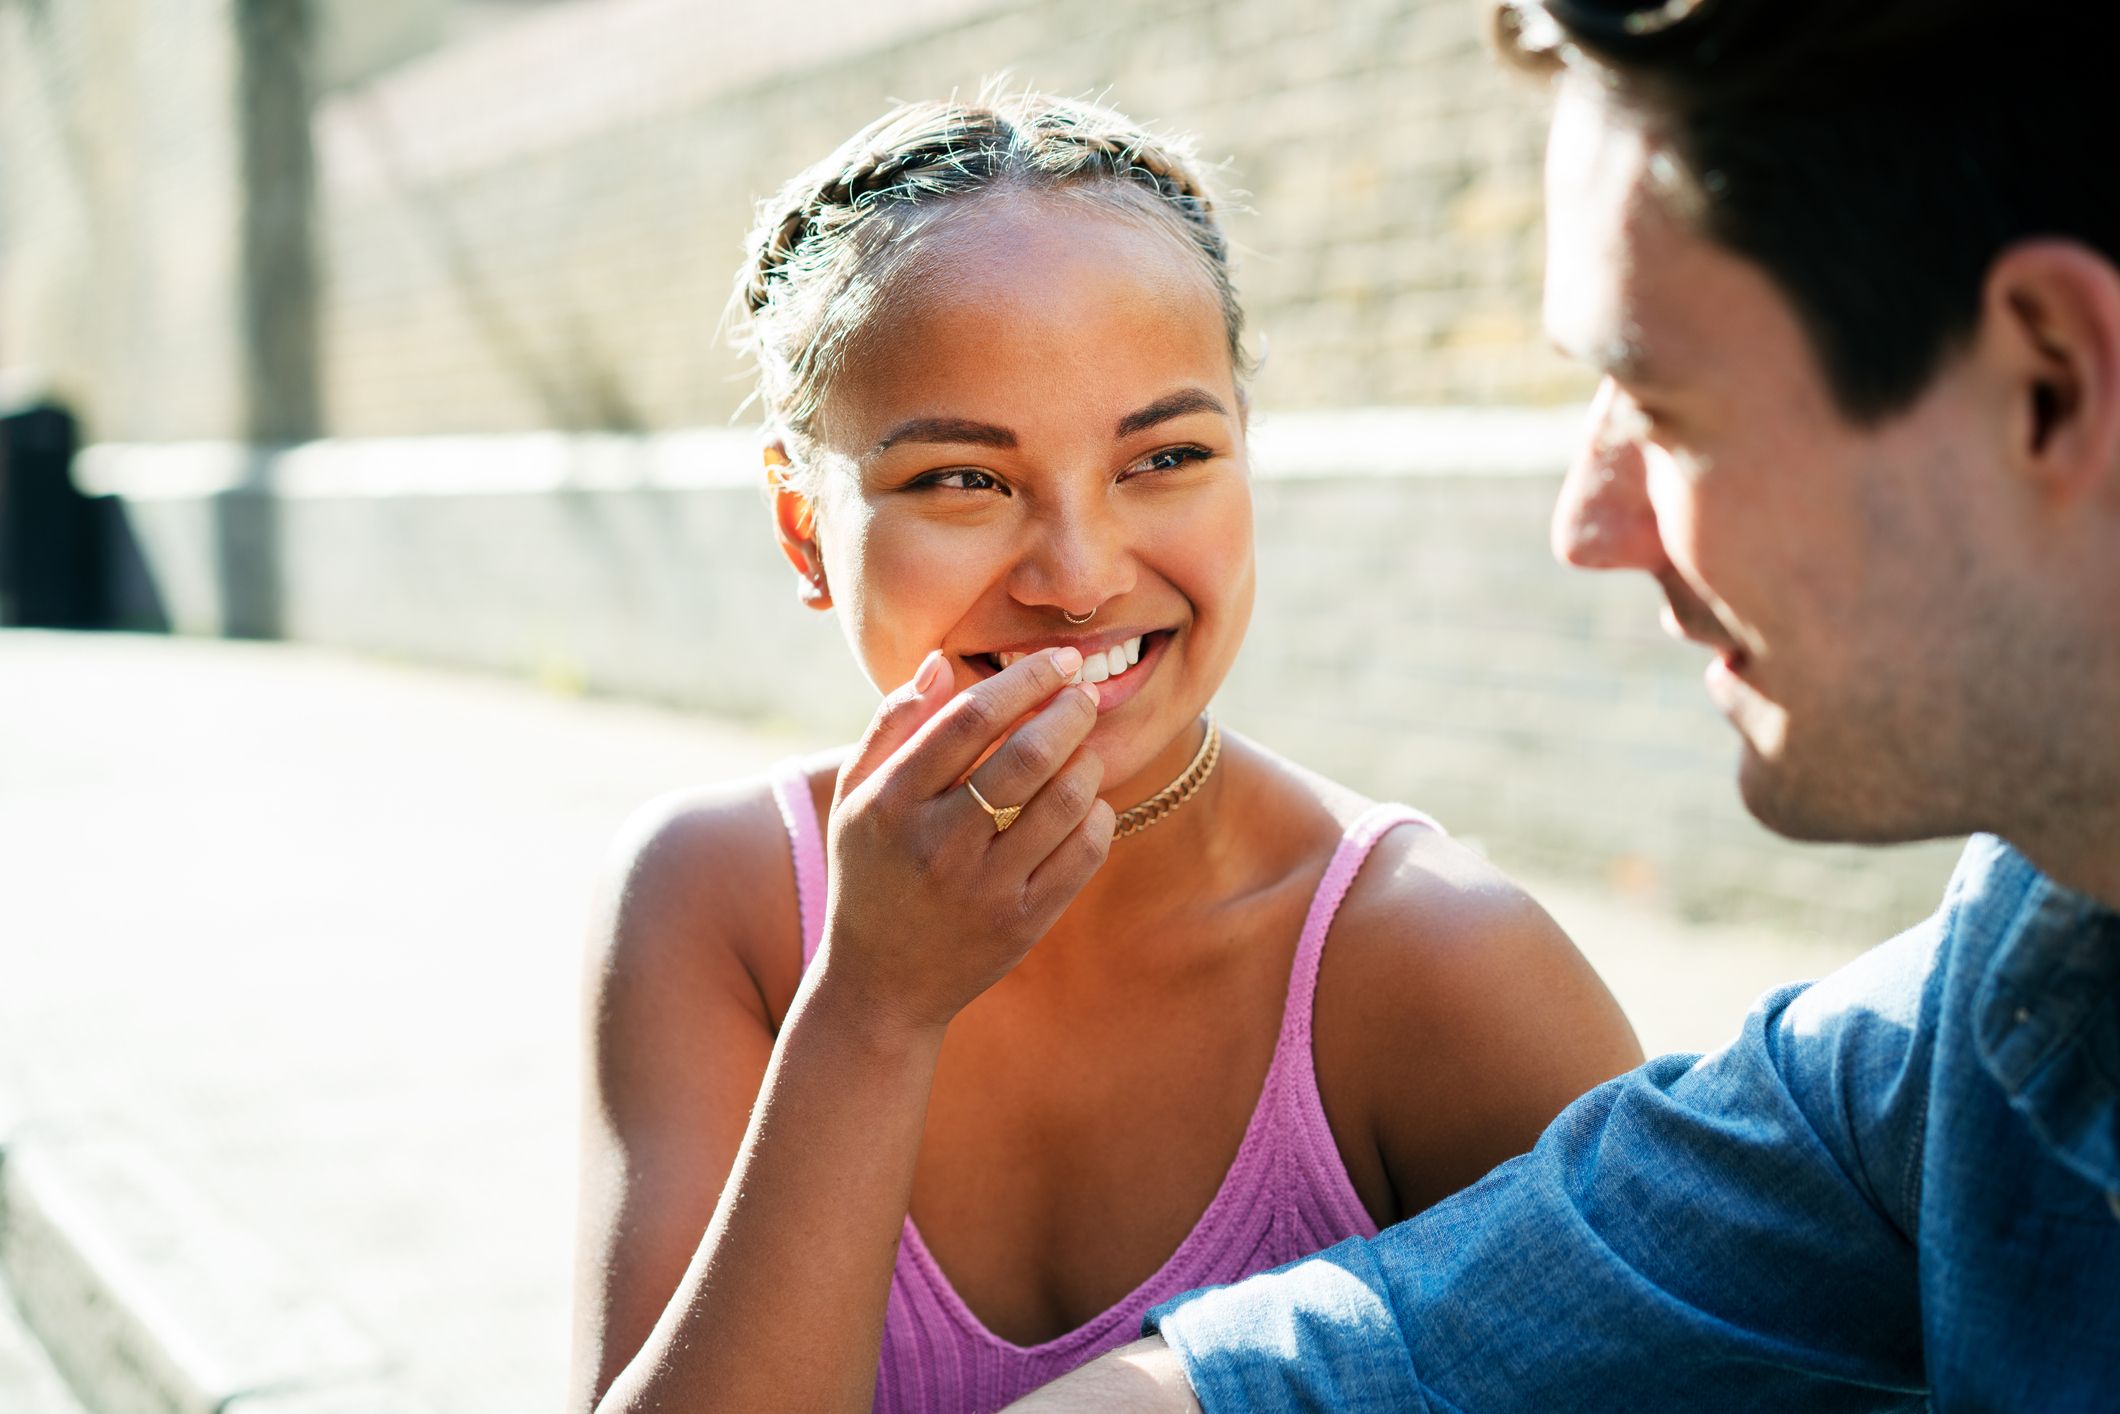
[(1776, 788), (1826, 806), (1768, 796)]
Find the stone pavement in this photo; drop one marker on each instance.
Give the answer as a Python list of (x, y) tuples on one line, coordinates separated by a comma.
[(289, 956)]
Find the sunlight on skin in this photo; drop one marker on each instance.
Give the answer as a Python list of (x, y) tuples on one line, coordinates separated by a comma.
[(1143, 1376)]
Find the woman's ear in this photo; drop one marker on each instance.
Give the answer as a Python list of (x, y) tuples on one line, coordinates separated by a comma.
[(2053, 329), (795, 526)]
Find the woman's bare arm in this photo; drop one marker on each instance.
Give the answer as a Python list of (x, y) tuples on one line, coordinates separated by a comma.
[(678, 1038), (780, 1302), (779, 1287), (1143, 1378)]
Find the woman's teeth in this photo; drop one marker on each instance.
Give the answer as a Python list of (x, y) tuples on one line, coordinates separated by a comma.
[(1096, 667)]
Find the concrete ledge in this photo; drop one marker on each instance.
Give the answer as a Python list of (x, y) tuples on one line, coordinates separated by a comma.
[(151, 1301), (1413, 635)]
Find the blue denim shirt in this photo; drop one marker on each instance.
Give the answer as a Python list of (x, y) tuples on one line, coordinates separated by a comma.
[(1898, 1188)]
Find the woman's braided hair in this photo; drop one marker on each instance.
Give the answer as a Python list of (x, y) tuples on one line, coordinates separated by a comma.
[(818, 262)]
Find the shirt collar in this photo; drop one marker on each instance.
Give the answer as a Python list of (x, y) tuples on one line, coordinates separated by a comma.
[(2046, 1023)]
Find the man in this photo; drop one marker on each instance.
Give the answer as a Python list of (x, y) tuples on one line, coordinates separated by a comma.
[(1851, 272)]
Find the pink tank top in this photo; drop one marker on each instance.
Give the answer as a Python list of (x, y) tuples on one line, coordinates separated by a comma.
[(1285, 1196)]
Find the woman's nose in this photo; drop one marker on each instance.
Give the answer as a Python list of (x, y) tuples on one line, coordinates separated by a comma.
[(1079, 558), (1603, 519)]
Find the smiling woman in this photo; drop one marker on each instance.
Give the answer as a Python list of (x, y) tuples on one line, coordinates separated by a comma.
[(1050, 410), (849, 1139)]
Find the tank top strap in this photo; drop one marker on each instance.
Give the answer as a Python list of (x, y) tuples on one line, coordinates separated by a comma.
[(1315, 1197), (798, 812), (1292, 1056)]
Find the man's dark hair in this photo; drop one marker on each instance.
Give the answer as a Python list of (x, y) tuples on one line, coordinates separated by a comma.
[(1874, 157)]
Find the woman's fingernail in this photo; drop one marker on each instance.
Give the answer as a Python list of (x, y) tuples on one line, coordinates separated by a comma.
[(1089, 690), (929, 667), (1066, 661)]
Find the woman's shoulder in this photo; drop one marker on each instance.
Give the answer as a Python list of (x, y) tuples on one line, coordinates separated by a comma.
[(1453, 1014), (703, 877), (1431, 930), (697, 842), (1418, 888)]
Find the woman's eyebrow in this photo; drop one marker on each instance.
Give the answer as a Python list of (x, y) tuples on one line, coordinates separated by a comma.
[(960, 431), (954, 430), (1164, 409)]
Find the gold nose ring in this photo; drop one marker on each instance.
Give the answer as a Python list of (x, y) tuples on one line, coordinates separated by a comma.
[(1073, 620)]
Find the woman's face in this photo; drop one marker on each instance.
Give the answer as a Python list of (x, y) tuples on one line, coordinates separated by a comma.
[(1044, 421)]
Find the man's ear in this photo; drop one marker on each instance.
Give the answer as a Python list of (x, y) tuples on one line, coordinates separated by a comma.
[(2051, 325), (795, 526)]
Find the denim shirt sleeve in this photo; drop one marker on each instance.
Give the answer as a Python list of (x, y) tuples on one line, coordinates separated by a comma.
[(1732, 1232)]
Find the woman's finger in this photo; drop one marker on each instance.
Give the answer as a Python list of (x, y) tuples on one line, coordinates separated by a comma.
[(1050, 815), (943, 750), (1054, 884), (1036, 751), (897, 717)]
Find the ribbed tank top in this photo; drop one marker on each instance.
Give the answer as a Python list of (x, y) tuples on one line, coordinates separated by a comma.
[(1286, 1194)]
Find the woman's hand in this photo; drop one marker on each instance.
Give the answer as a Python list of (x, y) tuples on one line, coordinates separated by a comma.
[(930, 904), (782, 1301)]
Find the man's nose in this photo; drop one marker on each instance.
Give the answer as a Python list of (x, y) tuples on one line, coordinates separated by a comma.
[(1603, 520)]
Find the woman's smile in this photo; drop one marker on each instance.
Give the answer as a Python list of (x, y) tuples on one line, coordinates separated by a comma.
[(1120, 661), (1047, 419)]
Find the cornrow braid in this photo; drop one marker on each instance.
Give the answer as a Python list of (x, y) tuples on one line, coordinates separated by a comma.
[(819, 259), (1130, 155), (845, 185)]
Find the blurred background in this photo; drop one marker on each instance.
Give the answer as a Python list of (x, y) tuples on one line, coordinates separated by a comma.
[(360, 360)]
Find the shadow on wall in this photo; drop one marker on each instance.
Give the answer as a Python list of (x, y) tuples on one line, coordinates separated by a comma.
[(67, 560)]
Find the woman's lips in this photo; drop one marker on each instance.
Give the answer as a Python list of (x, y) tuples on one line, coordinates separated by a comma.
[(1113, 690), (1114, 693)]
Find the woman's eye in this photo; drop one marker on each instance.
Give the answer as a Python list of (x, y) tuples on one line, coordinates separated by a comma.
[(1171, 458), (962, 479)]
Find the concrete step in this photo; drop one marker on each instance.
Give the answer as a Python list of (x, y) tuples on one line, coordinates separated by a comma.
[(29, 1382), (149, 1300)]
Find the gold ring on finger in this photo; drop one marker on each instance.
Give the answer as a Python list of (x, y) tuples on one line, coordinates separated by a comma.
[(1004, 816)]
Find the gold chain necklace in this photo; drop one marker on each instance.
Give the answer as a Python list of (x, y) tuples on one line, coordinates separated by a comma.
[(1163, 802)]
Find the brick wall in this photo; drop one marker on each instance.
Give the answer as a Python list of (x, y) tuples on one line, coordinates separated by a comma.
[(538, 226), (119, 180), (512, 243)]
